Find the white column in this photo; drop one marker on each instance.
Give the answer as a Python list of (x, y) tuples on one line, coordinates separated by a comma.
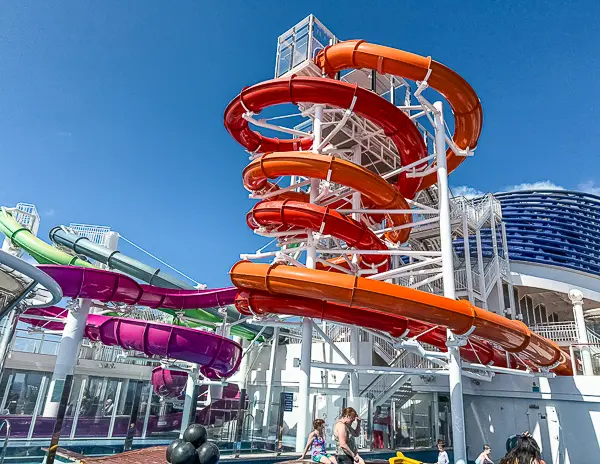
[(444, 204), (355, 331), (190, 403), (499, 289), (436, 417), (511, 290), (455, 376), (306, 348), (66, 359), (270, 378), (576, 298)]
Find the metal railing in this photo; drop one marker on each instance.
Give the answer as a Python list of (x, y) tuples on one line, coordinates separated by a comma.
[(579, 352), (4, 423), (490, 275), (477, 210), (560, 332), (384, 348), (40, 343), (593, 337), (337, 333), (397, 358)]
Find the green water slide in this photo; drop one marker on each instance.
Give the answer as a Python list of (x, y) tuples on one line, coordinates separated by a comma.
[(44, 253)]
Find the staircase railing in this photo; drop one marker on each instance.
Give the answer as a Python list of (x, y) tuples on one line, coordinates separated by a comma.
[(339, 333), (400, 359), (490, 275), (385, 349)]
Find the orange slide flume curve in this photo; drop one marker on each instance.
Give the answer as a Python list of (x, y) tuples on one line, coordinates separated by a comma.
[(342, 297), (466, 107)]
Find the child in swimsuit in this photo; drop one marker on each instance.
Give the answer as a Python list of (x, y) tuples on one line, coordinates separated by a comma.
[(316, 439)]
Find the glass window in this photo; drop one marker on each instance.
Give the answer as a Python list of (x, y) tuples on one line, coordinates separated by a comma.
[(414, 422), (538, 315), (506, 296), (300, 49), (524, 312), (127, 399), (96, 407), (23, 392), (543, 313), (530, 311), (285, 59), (321, 35), (165, 416)]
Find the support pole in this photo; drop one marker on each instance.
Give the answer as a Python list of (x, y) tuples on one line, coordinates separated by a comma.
[(453, 343), (355, 331), (270, 378), (66, 359), (62, 408), (306, 347), (436, 417), (499, 289), (190, 403), (576, 298), (511, 289), (482, 289)]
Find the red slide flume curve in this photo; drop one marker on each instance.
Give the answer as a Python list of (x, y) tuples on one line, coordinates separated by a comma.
[(347, 298)]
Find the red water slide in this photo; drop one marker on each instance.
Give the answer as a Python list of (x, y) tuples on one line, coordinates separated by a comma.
[(347, 298)]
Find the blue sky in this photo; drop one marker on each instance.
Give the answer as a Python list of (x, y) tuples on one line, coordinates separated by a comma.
[(111, 112)]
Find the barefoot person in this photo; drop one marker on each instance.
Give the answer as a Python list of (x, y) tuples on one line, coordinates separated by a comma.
[(316, 439), (344, 435)]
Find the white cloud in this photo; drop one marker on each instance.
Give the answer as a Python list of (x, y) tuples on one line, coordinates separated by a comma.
[(466, 191), (589, 186), (49, 212), (539, 185), (64, 134)]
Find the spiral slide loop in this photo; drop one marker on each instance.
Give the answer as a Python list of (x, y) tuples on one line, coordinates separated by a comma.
[(339, 297)]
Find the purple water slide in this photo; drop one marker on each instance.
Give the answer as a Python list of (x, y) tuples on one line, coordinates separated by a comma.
[(170, 383), (167, 382), (97, 284), (215, 353)]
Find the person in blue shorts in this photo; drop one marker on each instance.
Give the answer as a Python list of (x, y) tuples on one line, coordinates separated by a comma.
[(316, 440)]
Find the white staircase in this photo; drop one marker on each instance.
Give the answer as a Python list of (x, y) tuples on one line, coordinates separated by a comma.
[(388, 387)]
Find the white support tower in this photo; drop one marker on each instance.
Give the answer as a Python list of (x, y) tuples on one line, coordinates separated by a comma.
[(457, 246)]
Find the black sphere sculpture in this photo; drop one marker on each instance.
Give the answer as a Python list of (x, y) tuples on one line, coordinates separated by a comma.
[(174, 444), (195, 434), (208, 453), (185, 453)]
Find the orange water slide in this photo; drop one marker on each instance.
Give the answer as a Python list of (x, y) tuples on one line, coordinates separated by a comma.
[(255, 303), (357, 292), (382, 194), (465, 104), (347, 298)]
